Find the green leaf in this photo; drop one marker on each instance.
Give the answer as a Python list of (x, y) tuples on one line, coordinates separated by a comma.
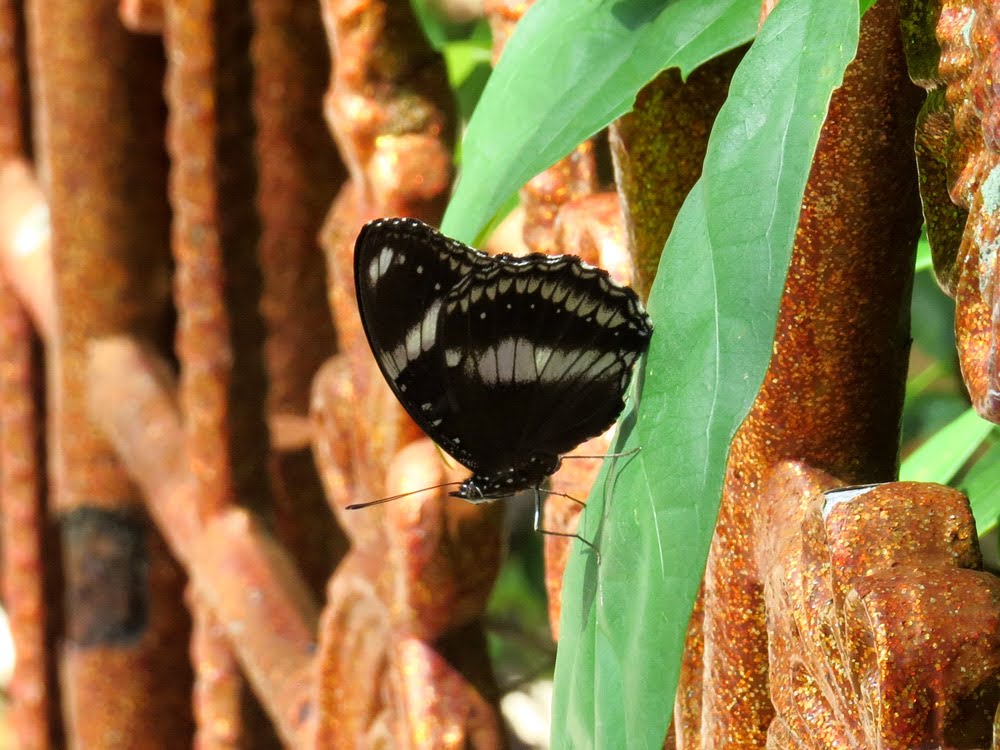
[(866, 4), (469, 69), (944, 453), (926, 413), (932, 321), (571, 68), (982, 485), (924, 260), (714, 305)]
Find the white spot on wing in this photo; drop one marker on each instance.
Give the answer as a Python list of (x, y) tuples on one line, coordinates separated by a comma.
[(413, 343), (524, 362), (428, 327), (587, 306), (452, 357), (542, 355), (505, 360), (604, 363), (399, 359), (488, 367), (379, 265)]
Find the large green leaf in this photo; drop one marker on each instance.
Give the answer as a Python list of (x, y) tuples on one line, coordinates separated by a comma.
[(943, 454), (572, 67), (982, 485), (714, 305)]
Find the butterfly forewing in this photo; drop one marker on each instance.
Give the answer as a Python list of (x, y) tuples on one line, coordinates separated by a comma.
[(497, 358), (403, 269)]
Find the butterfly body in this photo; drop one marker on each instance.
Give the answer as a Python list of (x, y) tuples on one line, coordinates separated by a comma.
[(507, 362), (504, 482)]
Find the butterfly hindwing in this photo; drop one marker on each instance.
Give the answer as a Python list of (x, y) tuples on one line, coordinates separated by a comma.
[(538, 352)]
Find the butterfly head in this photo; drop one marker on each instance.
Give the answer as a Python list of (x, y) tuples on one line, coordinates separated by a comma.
[(487, 486)]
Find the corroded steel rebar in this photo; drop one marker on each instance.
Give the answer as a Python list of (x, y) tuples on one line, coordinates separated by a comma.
[(103, 169), (240, 575), (300, 173), (215, 234), (28, 586), (833, 393), (33, 709), (217, 292)]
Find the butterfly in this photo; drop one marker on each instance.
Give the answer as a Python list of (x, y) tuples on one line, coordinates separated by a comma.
[(506, 362)]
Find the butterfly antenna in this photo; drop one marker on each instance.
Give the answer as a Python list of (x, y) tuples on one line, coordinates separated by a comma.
[(547, 532), (370, 503)]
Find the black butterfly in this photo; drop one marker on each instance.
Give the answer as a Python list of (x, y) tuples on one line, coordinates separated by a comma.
[(505, 362)]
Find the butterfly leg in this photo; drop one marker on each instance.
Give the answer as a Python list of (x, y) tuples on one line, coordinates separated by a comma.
[(538, 520), (609, 455)]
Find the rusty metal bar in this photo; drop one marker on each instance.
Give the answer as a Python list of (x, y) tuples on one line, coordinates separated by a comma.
[(217, 292), (103, 171), (34, 703), (300, 172), (238, 572), (833, 394)]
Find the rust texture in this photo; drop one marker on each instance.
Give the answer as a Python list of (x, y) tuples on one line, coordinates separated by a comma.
[(937, 148), (402, 659), (142, 16), (217, 290), (12, 141), (33, 702), (27, 584), (568, 180), (658, 149), (884, 632), (391, 114), (299, 173), (246, 585), (215, 234), (833, 393), (958, 161), (103, 170)]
